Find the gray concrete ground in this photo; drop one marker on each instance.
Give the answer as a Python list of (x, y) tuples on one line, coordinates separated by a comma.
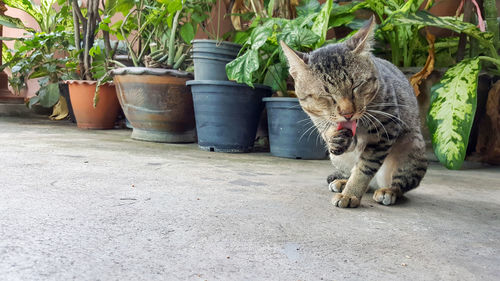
[(97, 205)]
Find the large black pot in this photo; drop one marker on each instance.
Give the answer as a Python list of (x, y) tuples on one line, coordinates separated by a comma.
[(227, 114), (210, 58), (291, 132)]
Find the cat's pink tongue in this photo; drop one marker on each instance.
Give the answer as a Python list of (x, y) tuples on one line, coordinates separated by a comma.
[(351, 125)]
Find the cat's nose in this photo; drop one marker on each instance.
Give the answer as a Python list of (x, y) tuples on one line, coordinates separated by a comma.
[(347, 116)]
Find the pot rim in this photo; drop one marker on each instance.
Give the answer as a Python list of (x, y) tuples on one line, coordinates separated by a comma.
[(215, 42), (224, 83), (134, 70), (88, 82)]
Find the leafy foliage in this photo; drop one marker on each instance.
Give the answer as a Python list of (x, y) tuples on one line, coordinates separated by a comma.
[(261, 59), (36, 56), (453, 105)]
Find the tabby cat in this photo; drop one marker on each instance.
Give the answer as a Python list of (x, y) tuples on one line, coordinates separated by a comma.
[(367, 113)]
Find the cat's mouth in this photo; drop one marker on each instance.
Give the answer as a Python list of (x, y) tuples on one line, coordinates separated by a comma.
[(350, 125)]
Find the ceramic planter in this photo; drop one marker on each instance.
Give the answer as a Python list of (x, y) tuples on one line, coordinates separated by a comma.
[(290, 131), (103, 116), (210, 58), (157, 103), (227, 114)]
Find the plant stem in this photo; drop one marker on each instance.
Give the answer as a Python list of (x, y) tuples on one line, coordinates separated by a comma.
[(171, 41), (495, 61), (490, 11)]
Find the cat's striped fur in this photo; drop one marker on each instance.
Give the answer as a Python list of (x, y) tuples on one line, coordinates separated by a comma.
[(342, 82)]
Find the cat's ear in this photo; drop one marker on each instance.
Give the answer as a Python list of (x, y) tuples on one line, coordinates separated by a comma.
[(362, 41), (296, 60)]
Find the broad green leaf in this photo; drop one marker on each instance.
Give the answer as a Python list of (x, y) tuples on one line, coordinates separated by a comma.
[(276, 77), (259, 36), (423, 18), (49, 95), (320, 25), (241, 69), (307, 7), (26, 6), (341, 20), (13, 23), (348, 8), (187, 32), (124, 6), (298, 38), (33, 100), (451, 113)]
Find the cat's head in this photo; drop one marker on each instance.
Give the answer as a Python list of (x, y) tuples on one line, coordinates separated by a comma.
[(336, 82)]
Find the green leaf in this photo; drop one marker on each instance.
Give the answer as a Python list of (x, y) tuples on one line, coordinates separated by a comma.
[(298, 38), (341, 20), (124, 6), (276, 77), (49, 94), (187, 32), (13, 23), (33, 100), (307, 7), (320, 25), (423, 18), (26, 6), (242, 68), (451, 113), (259, 36)]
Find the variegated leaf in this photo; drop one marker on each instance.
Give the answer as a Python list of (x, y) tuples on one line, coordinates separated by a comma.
[(451, 113), (426, 19)]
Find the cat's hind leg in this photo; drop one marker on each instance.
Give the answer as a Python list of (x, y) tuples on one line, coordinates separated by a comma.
[(403, 169)]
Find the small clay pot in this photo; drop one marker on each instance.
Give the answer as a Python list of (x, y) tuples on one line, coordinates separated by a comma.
[(103, 116)]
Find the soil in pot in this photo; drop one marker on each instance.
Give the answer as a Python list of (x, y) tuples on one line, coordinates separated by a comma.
[(227, 114), (157, 103), (291, 132), (87, 116), (210, 58)]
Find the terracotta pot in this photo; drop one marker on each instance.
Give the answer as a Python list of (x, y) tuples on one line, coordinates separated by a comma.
[(157, 103), (103, 116)]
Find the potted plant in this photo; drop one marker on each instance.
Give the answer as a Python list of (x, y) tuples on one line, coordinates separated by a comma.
[(41, 54), (93, 97), (210, 56), (291, 132), (153, 93), (454, 98)]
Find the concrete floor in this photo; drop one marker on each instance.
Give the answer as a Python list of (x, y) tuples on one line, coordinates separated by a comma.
[(97, 205)]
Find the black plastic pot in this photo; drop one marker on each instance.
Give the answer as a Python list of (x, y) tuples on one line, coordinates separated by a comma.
[(227, 114), (64, 91), (291, 132), (210, 58)]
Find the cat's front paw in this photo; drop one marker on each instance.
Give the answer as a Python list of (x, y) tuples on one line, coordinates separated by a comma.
[(340, 142), (345, 201), (385, 196), (337, 185)]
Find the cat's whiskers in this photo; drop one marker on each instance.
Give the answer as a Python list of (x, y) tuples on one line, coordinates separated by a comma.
[(391, 116), (376, 119), (374, 125), (311, 128), (387, 104)]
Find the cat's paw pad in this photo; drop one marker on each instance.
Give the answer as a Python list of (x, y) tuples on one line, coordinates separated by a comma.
[(339, 143), (345, 201), (385, 196), (337, 185)]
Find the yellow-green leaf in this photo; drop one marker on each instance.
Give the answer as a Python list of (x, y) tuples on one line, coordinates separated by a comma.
[(451, 113)]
